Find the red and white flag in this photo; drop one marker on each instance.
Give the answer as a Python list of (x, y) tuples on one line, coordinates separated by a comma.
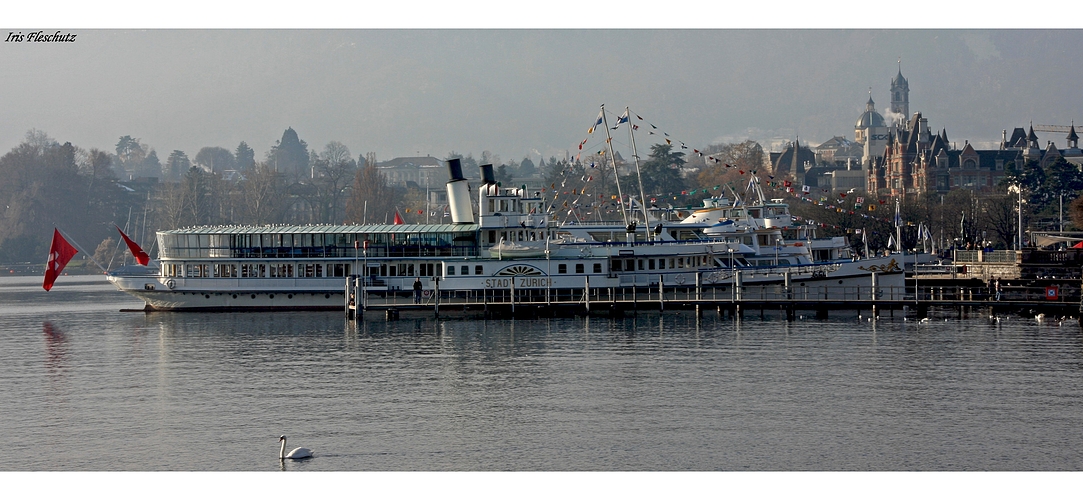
[(60, 252), (140, 256), (398, 218)]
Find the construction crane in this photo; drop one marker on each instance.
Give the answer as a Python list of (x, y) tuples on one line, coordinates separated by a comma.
[(1064, 129)]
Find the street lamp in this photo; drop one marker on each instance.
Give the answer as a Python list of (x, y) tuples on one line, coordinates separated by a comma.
[(1018, 189), (733, 277)]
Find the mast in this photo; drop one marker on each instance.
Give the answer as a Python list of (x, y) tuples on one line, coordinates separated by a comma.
[(898, 227), (613, 159), (639, 176)]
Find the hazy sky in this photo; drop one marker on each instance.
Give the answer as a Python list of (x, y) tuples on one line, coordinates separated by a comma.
[(522, 93)]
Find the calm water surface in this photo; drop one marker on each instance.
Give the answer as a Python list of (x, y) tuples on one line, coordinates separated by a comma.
[(87, 387)]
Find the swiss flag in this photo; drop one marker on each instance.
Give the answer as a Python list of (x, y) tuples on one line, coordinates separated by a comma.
[(140, 256), (60, 252)]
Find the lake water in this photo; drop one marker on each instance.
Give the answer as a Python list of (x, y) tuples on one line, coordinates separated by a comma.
[(87, 387)]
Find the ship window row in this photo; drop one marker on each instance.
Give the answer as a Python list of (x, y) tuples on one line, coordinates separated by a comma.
[(658, 264), (511, 205), (317, 245), (297, 270), (464, 270), (579, 268), (494, 237)]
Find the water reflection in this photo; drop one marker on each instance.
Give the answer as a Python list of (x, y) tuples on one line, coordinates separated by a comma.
[(56, 348)]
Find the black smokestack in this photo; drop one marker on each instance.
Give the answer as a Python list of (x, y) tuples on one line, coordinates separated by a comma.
[(487, 176), (455, 170)]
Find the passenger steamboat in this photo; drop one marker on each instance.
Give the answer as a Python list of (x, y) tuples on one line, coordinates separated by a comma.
[(509, 243)]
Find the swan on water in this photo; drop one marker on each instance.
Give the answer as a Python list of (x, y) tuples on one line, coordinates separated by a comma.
[(296, 454)]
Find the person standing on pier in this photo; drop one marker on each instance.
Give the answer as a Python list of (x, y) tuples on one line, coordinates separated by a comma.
[(417, 291)]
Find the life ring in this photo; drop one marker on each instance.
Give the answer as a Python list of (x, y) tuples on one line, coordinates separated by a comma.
[(679, 279), (170, 284), (798, 244), (425, 293)]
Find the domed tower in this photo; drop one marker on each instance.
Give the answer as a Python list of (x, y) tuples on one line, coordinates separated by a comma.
[(870, 119), (871, 132), (900, 95)]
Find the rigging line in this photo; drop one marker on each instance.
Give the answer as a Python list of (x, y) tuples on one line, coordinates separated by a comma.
[(80, 248)]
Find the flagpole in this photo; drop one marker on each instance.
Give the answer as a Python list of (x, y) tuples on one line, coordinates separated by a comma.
[(898, 228), (613, 159), (865, 240), (639, 176), (76, 245)]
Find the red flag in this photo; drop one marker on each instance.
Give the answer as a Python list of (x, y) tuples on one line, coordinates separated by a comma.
[(140, 256), (398, 218), (60, 252)]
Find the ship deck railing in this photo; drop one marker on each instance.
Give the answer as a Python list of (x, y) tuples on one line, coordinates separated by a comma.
[(1061, 299)]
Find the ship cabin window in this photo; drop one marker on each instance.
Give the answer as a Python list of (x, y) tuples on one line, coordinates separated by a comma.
[(492, 205), (597, 267), (579, 268), (615, 266), (451, 270), (339, 270), (465, 270), (661, 263), (562, 269), (640, 264), (650, 264), (478, 270), (492, 237)]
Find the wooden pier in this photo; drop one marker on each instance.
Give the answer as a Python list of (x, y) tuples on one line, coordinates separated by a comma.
[(1055, 300)]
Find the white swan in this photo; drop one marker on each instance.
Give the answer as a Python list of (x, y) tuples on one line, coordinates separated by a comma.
[(297, 453)]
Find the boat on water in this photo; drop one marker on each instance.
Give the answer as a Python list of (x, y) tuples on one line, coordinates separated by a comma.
[(509, 243)]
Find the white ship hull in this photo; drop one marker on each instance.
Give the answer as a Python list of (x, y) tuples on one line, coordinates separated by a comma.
[(833, 281)]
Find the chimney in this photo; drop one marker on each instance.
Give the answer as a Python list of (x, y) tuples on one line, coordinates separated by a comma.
[(458, 194), (487, 176)]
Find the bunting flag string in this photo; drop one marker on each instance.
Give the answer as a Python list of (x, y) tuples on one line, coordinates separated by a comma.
[(584, 197)]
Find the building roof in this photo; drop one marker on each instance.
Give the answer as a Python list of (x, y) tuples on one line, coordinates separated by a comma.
[(329, 229), (899, 80), (412, 161), (870, 118)]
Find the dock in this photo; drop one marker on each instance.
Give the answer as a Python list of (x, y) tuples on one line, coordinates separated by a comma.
[(1056, 300)]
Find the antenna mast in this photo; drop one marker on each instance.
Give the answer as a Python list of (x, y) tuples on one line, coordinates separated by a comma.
[(639, 176), (613, 159)]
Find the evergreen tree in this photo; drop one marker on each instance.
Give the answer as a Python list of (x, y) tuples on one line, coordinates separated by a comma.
[(245, 157), (661, 174), (176, 165), (289, 156), (527, 168), (152, 167)]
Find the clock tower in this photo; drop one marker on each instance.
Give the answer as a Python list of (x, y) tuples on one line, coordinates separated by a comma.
[(900, 96)]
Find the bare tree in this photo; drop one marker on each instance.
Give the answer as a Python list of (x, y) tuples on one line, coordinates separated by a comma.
[(370, 189), (262, 195)]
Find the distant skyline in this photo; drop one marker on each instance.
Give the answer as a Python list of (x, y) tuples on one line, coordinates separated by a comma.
[(523, 93)]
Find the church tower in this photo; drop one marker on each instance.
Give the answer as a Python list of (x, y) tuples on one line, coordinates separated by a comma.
[(900, 96)]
